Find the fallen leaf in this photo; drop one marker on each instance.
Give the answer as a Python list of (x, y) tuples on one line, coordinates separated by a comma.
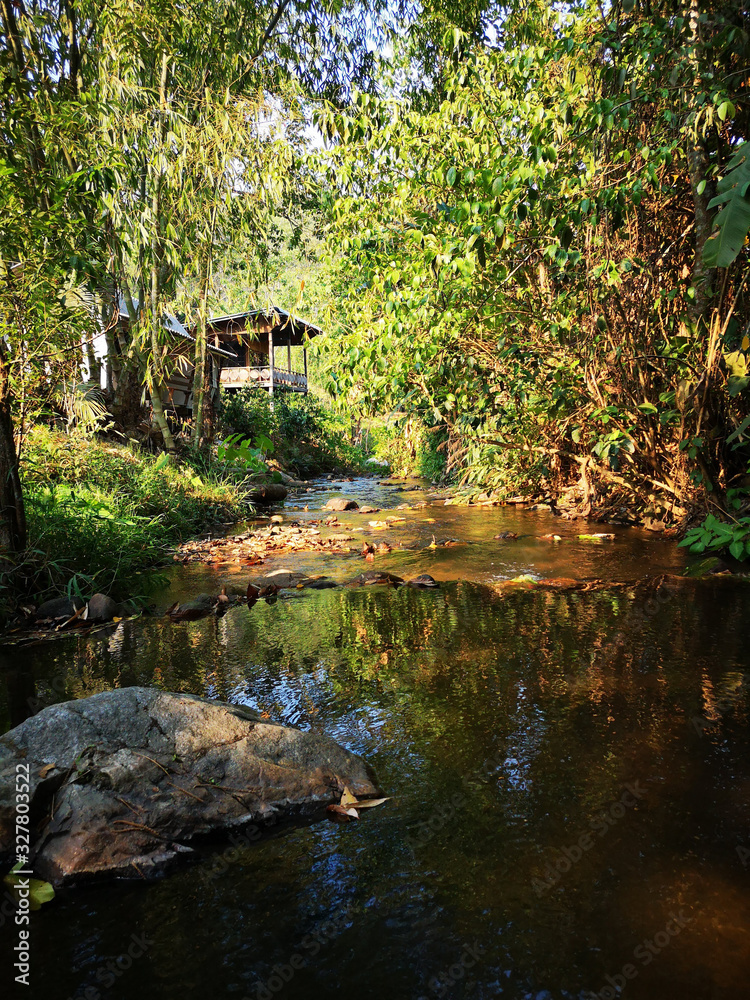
[(347, 799), (371, 803), (44, 771), (341, 815)]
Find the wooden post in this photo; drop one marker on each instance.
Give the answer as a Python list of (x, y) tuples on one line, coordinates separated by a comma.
[(289, 356), (304, 355), (270, 365)]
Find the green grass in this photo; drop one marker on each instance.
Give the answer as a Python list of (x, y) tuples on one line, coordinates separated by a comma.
[(101, 515)]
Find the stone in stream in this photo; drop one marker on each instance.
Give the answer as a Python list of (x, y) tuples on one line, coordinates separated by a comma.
[(197, 607), (283, 579), (102, 608), (375, 577), (341, 503), (506, 536), (127, 782), (267, 494), (58, 608), (423, 580)]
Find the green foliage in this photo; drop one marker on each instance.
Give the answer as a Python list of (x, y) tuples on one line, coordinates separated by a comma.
[(733, 221), (247, 454), (247, 412), (510, 264), (34, 890), (308, 437), (720, 536), (410, 448), (100, 516)]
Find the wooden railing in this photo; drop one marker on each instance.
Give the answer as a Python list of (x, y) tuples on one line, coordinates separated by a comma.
[(236, 378)]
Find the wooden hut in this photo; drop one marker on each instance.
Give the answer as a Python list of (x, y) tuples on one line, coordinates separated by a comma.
[(125, 389), (255, 340)]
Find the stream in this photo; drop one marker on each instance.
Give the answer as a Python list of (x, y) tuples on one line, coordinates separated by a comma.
[(569, 773)]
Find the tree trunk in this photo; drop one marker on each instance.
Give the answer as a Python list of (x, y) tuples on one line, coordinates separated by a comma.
[(12, 513), (698, 167), (160, 419), (155, 318), (199, 373), (92, 362), (702, 276)]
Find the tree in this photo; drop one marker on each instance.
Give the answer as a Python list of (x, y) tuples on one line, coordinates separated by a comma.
[(104, 112), (523, 256)]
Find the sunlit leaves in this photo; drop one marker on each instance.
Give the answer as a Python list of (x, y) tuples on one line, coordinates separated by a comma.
[(733, 221)]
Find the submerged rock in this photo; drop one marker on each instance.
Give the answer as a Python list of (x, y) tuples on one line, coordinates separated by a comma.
[(126, 782), (341, 503), (320, 583), (282, 579), (197, 607), (423, 580), (267, 494), (375, 577)]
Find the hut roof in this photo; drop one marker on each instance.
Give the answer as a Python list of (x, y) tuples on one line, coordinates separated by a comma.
[(286, 328), (172, 324)]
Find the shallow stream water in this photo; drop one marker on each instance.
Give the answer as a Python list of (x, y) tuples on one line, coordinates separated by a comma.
[(569, 773)]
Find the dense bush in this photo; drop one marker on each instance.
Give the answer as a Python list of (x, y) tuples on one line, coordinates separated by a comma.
[(411, 449), (308, 437)]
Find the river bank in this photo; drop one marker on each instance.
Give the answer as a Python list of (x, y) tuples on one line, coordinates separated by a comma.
[(102, 516)]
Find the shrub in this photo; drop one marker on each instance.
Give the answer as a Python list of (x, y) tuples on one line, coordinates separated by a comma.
[(308, 438)]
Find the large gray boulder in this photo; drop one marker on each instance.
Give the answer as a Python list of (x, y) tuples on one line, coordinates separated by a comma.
[(125, 782)]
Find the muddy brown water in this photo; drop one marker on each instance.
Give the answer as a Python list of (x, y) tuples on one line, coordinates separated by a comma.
[(569, 770)]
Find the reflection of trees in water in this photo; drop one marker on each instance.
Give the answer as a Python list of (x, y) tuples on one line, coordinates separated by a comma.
[(554, 663), (568, 695)]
